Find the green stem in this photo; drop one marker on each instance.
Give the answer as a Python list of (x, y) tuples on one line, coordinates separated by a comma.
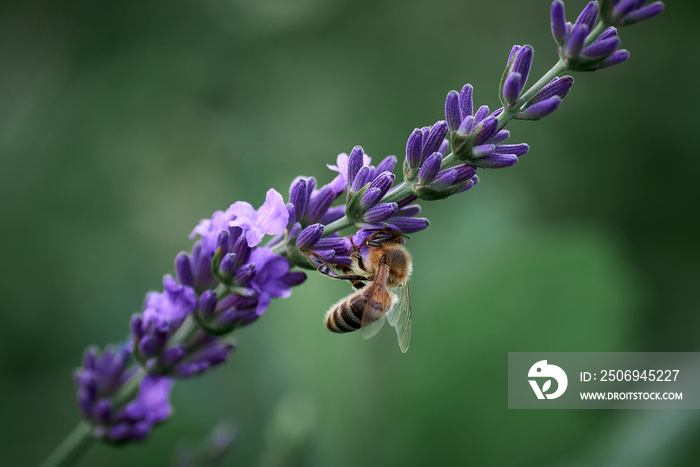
[(71, 448)]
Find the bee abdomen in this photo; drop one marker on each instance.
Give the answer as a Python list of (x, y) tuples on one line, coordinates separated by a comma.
[(347, 315)]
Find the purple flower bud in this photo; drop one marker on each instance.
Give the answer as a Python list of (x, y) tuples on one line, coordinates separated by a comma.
[(557, 87), (409, 211), (380, 212), (575, 42), (437, 134), (410, 224), (588, 16), (616, 57), (452, 113), (228, 265), (173, 355), (222, 242), (309, 236), (496, 161), (136, 330), (642, 14), (499, 137), (361, 179), (515, 149), (407, 200), (355, 161), (201, 266), (514, 50), (601, 48), (485, 130), (558, 20), (444, 180), (319, 204), (540, 109), (244, 275), (467, 186), (148, 346), (207, 303), (483, 150), (241, 250), (183, 269), (294, 232), (463, 173), (466, 107), (430, 168), (386, 165), (297, 196), (294, 278), (414, 149), (466, 126), (511, 88), (371, 197), (102, 411), (383, 182), (623, 8), (522, 62), (481, 113), (120, 431), (608, 33)]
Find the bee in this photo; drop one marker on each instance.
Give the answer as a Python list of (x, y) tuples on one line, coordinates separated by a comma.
[(382, 280)]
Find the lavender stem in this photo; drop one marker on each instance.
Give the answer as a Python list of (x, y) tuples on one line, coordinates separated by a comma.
[(71, 447)]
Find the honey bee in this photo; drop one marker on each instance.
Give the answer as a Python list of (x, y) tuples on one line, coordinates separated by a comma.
[(382, 280)]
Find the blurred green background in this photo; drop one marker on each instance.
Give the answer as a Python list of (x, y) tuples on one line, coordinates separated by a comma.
[(122, 124)]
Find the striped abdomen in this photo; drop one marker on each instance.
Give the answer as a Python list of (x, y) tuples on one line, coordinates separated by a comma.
[(346, 315)]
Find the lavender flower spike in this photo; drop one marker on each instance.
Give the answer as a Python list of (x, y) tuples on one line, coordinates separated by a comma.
[(229, 279)]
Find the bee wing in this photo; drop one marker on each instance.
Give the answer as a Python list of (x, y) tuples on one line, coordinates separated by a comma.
[(399, 317), (377, 303)]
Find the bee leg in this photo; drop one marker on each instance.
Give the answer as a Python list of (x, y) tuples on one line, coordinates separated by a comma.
[(357, 256), (324, 268)]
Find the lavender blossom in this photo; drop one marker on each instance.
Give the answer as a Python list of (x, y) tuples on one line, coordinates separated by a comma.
[(101, 377), (229, 278)]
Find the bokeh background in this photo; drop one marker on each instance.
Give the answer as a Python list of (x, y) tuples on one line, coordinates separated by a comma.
[(122, 124)]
